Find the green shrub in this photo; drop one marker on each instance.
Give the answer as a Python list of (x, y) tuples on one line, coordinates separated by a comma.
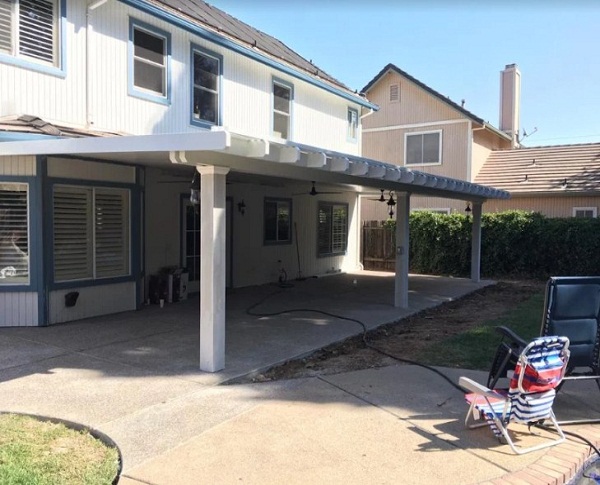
[(513, 243)]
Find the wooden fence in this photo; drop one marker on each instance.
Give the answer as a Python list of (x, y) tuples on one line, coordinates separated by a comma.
[(378, 247)]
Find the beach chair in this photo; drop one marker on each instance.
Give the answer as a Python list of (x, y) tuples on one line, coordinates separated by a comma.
[(572, 309), (540, 369)]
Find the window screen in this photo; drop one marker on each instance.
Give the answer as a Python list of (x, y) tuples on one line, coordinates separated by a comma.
[(14, 234)]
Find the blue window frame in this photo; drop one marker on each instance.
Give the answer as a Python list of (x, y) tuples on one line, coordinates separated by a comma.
[(14, 234), (207, 71), (32, 34), (352, 127), (282, 97), (149, 62)]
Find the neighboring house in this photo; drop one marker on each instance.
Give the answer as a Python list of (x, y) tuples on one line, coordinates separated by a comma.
[(418, 128), (108, 110), (558, 181)]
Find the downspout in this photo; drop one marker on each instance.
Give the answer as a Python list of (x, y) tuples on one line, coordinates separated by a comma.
[(88, 67)]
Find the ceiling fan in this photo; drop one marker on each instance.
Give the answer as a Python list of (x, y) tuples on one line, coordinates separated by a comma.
[(314, 191)]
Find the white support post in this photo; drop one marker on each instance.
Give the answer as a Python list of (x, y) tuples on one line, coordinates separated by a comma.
[(212, 267), (476, 242), (402, 242)]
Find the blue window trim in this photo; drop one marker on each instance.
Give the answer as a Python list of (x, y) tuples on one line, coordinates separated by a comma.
[(132, 89), (201, 50), (195, 29), (290, 86), (60, 70), (348, 137), (134, 234), (15, 136), (267, 242), (33, 236)]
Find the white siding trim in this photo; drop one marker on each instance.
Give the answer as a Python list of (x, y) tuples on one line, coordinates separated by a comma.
[(414, 125)]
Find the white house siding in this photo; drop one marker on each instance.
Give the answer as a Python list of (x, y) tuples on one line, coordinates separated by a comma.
[(17, 166), (92, 301), (18, 309), (319, 118), (53, 98)]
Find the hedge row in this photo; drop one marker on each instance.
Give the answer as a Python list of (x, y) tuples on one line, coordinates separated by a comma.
[(514, 243)]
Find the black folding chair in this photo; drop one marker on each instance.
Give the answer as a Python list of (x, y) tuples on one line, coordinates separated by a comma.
[(571, 309)]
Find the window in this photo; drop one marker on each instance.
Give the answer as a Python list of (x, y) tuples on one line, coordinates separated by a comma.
[(394, 93), (91, 233), (423, 148), (191, 240), (585, 212), (332, 229), (282, 109), (14, 234), (278, 216), (150, 53), (206, 85), (352, 134), (30, 29)]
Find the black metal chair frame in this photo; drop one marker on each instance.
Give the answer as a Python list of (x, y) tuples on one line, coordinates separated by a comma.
[(585, 354)]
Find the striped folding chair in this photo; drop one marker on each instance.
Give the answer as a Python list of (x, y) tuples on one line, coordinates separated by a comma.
[(539, 370)]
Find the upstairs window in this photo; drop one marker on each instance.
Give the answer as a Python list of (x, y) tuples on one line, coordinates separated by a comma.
[(206, 85), (91, 233), (332, 231), (282, 109), (352, 133), (29, 29), (278, 215), (585, 212), (423, 148), (150, 53), (14, 234)]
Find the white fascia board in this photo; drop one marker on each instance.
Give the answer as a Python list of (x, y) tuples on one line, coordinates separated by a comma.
[(205, 141)]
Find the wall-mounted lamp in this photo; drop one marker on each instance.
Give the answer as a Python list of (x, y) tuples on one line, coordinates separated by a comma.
[(195, 189), (468, 208), (242, 207)]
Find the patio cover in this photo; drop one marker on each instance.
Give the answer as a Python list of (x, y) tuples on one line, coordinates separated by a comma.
[(217, 152)]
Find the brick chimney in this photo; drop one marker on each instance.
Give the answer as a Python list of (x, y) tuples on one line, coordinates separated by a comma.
[(510, 102)]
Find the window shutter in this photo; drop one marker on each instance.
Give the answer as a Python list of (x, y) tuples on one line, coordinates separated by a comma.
[(112, 236), (324, 230), (6, 42), (36, 29), (338, 233), (14, 240), (73, 256)]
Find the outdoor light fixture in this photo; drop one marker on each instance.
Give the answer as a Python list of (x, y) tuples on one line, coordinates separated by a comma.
[(468, 208), (242, 207), (391, 202), (195, 189)]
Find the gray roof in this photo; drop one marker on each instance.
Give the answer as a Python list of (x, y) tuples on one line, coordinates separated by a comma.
[(37, 126), (561, 169), (205, 15)]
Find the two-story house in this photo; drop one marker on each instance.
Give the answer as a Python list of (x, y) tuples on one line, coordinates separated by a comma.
[(417, 127), (110, 110)]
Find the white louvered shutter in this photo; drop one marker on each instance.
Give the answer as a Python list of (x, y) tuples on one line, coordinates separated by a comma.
[(6, 28), (73, 233), (14, 234), (111, 221), (37, 30)]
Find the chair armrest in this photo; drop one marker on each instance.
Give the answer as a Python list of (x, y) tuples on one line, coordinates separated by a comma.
[(509, 334), (475, 387)]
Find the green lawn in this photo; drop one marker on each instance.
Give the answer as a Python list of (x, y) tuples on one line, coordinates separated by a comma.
[(35, 452), (475, 348)]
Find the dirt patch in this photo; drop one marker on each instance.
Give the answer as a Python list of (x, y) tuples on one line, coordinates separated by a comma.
[(408, 336)]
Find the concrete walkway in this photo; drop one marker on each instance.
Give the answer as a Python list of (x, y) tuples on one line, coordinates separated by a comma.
[(134, 377)]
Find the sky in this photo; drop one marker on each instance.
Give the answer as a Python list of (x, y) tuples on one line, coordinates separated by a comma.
[(457, 48)]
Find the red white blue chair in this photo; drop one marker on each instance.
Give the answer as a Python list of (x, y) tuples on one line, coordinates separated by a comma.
[(540, 369)]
